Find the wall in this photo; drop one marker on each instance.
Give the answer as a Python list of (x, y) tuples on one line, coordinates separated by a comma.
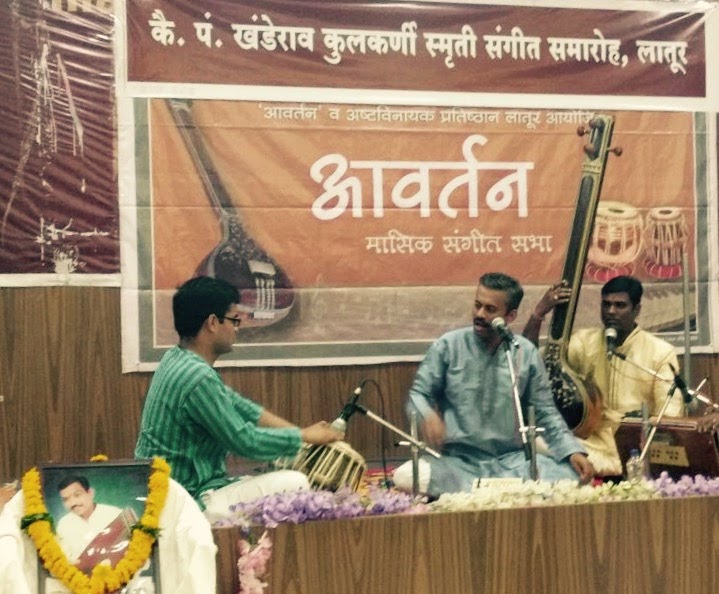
[(65, 399)]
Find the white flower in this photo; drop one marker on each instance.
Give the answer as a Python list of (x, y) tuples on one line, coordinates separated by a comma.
[(542, 493)]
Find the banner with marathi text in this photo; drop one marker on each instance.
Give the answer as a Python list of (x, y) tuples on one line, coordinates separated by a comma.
[(353, 168)]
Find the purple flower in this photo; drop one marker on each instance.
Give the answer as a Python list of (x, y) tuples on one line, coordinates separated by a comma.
[(301, 506), (687, 486)]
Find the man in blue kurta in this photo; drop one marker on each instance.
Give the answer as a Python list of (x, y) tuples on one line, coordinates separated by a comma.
[(464, 400)]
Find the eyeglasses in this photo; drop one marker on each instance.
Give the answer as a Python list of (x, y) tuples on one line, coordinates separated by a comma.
[(234, 321)]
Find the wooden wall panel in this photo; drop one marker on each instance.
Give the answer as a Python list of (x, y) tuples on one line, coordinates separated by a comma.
[(65, 398), (667, 546)]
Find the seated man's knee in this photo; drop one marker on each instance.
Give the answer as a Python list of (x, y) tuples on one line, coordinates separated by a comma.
[(403, 477), (291, 480)]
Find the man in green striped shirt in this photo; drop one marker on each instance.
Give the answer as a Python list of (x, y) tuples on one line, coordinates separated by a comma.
[(194, 420)]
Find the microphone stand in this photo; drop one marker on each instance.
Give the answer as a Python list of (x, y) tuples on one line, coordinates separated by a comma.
[(652, 432), (415, 453), (672, 388), (700, 397), (528, 433), (532, 431), (420, 445)]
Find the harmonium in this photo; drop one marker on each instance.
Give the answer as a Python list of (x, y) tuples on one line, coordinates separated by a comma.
[(678, 447)]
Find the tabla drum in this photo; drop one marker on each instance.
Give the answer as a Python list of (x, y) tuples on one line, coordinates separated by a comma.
[(331, 466), (665, 242), (617, 237)]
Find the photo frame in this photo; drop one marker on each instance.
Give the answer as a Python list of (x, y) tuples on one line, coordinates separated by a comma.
[(93, 507)]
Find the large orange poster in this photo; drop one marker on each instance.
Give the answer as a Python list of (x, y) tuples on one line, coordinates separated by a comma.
[(356, 224)]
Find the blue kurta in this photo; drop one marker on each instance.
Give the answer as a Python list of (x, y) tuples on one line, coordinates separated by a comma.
[(471, 389)]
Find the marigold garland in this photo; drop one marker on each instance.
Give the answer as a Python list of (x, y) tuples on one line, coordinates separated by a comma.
[(37, 522)]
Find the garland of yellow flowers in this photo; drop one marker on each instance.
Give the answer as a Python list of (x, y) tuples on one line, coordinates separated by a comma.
[(37, 522)]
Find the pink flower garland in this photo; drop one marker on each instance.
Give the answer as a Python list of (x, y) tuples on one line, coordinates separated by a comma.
[(253, 563), (296, 507)]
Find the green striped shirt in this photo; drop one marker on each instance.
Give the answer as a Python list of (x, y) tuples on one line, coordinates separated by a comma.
[(194, 420)]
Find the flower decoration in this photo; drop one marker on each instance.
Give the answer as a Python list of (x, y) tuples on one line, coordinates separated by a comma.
[(544, 493), (301, 506), (37, 522), (99, 458), (686, 486), (253, 563), (296, 507)]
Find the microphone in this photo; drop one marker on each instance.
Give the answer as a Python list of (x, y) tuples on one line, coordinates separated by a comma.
[(340, 423), (500, 327), (689, 401), (610, 336)]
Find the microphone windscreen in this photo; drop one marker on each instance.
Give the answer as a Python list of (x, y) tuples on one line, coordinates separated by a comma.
[(498, 323), (339, 424)]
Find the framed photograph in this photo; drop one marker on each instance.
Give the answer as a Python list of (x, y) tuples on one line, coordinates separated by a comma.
[(94, 507)]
